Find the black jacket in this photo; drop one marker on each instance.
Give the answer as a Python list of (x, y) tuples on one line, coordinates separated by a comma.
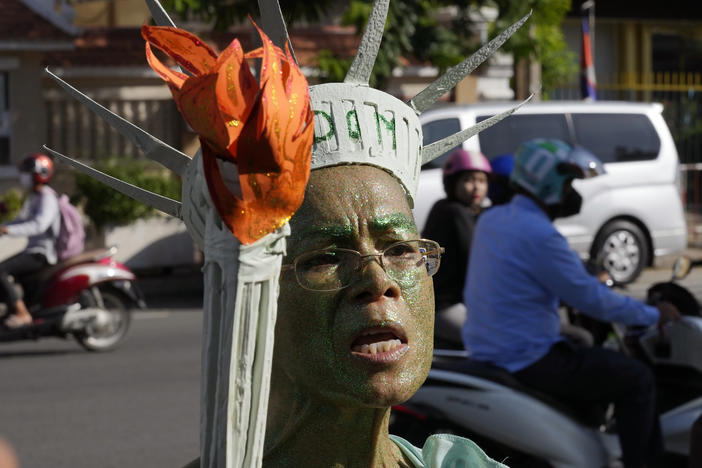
[(451, 224)]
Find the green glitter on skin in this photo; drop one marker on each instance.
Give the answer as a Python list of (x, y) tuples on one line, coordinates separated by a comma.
[(327, 407)]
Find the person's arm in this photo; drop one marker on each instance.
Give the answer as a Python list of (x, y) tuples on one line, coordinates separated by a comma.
[(46, 213), (562, 273)]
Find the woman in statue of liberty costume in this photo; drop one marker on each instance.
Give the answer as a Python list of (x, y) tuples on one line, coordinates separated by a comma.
[(355, 308)]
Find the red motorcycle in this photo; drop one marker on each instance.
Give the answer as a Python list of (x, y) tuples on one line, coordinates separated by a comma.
[(88, 296)]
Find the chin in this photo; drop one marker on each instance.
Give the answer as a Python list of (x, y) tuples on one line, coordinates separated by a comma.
[(385, 392), (383, 399)]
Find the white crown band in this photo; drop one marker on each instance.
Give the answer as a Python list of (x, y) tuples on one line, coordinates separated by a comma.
[(356, 124)]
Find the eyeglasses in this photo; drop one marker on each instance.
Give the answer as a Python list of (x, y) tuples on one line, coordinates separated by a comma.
[(335, 268)]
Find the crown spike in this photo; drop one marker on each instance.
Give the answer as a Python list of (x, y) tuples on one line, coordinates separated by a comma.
[(151, 199), (446, 82), (151, 146), (273, 23), (436, 149), (362, 66), (159, 14)]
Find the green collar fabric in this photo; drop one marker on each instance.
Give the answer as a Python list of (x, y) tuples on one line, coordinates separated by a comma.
[(446, 451)]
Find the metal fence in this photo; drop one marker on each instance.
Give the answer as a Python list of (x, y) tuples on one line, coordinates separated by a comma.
[(77, 132)]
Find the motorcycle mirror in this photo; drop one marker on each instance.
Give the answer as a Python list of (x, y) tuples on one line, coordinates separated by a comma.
[(681, 267)]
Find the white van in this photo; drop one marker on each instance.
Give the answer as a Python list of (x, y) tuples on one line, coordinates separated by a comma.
[(629, 216)]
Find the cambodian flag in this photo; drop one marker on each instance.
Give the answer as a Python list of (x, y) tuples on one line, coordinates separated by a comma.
[(588, 83)]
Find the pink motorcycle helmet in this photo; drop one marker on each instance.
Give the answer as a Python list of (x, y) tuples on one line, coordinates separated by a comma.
[(461, 160)]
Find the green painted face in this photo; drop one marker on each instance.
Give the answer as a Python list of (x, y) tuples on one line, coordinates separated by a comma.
[(319, 334)]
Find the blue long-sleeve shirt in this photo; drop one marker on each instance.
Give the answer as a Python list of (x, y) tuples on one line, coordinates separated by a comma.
[(520, 267)]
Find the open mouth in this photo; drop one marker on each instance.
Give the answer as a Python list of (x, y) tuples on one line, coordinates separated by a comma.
[(380, 344)]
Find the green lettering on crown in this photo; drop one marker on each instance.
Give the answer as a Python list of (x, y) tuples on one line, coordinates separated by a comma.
[(389, 125), (352, 118), (331, 131)]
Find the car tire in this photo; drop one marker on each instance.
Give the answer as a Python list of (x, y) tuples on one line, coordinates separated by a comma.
[(622, 249)]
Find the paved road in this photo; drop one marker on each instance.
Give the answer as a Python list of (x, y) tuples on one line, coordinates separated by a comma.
[(136, 407)]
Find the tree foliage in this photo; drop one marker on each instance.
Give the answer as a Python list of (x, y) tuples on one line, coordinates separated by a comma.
[(541, 39), (223, 14), (107, 207), (413, 30), (11, 204)]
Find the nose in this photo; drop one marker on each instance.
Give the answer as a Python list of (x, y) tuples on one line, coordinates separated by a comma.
[(373, 283)]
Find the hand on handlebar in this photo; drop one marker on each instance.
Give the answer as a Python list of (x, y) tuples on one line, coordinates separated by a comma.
[(3, 230), (668, 312)]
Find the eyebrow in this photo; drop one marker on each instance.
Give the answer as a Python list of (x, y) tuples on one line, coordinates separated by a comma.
[(333, 231), (340, 232), (395, 221)]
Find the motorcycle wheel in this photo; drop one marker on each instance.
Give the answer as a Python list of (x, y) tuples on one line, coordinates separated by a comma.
[(108, 338)]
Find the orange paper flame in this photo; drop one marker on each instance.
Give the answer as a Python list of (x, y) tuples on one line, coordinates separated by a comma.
[(264, 128)]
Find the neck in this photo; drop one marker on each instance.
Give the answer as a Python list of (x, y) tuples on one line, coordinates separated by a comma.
[(37, 187), (306, 429)]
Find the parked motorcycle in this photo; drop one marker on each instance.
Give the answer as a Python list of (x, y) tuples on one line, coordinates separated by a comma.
[(530, 429), (88, 296)]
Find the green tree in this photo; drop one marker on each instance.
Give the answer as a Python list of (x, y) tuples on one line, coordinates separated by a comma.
[(10, 204), (107, 207), (541, 39), (224, 14), (414, 31)]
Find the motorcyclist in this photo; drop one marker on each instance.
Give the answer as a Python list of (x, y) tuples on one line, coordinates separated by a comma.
[(500, 190), (520, 268), (40, 221), (451, 222)]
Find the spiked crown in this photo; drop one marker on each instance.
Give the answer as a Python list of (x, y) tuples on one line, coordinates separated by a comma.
[(353, 123)]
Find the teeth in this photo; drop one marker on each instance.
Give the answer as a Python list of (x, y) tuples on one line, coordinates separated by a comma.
[(379, 347)]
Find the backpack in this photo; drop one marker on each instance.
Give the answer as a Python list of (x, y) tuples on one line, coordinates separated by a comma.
[(71, 237)]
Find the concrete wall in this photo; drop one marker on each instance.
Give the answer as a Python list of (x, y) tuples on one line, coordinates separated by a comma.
[(153, 244)]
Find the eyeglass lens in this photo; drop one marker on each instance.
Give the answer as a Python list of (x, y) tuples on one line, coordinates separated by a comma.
[(328, 270)]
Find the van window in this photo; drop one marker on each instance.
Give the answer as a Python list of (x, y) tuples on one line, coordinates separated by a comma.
[(505, 136), (617, 137), (436, 130)]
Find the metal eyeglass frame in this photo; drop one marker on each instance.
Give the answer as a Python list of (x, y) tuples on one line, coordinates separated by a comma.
[(293, 266)]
